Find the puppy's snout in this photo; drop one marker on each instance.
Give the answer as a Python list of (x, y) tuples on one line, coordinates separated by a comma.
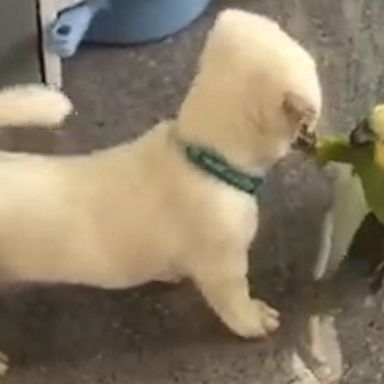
[(305, 140)]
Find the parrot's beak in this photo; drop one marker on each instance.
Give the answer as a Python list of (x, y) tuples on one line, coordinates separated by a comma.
[(362, 135)]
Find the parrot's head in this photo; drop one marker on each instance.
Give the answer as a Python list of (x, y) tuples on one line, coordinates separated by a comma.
[(370, 132)]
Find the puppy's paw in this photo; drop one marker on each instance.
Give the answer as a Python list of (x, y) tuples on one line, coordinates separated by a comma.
[(257, 320), (325, 374), (4, 363), (169, 278)]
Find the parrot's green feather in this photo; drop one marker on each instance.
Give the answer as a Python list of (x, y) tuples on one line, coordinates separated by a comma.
[(358, 193), (363, 164), (333, 149)]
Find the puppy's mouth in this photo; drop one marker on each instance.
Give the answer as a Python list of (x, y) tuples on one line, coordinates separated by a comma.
[(305, 140)]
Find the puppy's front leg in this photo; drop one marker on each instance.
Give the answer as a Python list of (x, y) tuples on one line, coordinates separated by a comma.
[(226, 290)]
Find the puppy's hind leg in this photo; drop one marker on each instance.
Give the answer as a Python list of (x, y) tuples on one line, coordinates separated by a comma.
[(224, 285)]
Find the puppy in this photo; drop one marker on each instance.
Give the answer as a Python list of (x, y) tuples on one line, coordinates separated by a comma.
[(86, 219)]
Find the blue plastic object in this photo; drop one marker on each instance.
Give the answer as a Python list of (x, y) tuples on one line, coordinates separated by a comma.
[(139, 21), (70, 27)]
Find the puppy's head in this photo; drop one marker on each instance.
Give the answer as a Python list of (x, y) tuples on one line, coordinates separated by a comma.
[(259, 89)]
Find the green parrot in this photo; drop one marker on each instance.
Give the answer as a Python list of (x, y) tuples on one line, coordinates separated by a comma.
[(364, 151), (358, 189)]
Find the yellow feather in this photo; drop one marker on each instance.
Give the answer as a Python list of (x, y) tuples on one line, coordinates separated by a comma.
[(377, 121), (379, 154), (377, 125)]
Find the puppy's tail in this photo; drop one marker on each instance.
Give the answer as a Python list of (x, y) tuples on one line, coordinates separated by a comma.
[(33, 105)]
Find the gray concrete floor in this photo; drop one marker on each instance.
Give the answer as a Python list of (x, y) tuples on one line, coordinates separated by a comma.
[(165, 334)]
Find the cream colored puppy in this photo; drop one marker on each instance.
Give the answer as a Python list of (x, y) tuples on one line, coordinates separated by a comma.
[(144, 211)]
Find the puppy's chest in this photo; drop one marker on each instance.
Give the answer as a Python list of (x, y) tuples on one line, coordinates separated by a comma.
[(233, 216)]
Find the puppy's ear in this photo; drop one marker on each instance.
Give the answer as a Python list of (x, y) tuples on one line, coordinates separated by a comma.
[(299, 111)]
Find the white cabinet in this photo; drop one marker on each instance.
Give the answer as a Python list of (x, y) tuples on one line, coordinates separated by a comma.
[(51, 63)]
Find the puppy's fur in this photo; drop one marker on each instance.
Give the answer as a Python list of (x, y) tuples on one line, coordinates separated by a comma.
[(30, 105), (140, 212)]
